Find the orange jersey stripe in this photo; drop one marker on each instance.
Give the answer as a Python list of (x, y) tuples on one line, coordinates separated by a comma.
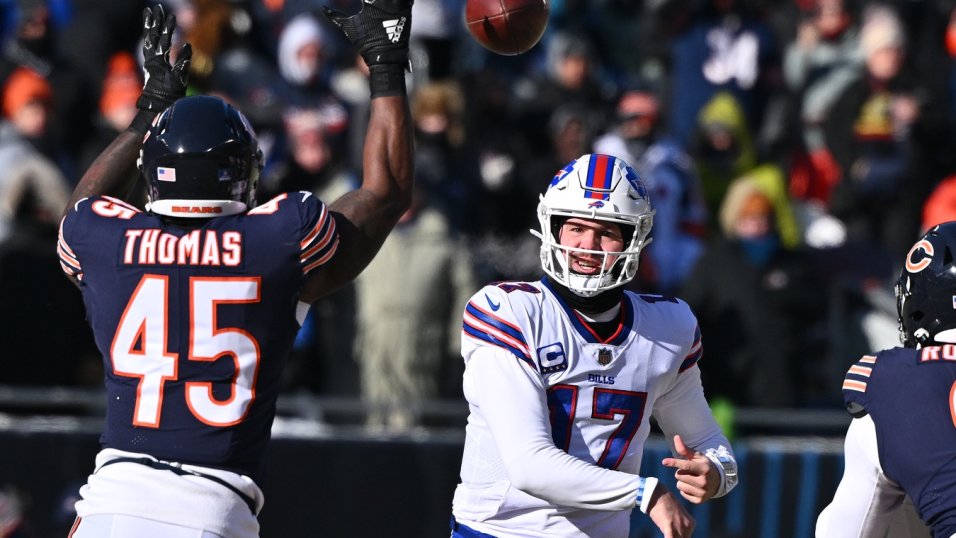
[(849, 384)]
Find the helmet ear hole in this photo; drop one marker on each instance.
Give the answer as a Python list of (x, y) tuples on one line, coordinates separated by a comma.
[(947, 257)]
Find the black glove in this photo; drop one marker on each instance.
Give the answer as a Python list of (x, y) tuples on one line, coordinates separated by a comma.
[(379, 30), (164, 83)]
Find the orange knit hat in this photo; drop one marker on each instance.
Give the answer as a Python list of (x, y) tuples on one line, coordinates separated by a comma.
[(122, 84), (24, 86)]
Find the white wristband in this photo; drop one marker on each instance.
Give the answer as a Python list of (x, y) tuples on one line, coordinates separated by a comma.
[(726, 466), (645, 491)]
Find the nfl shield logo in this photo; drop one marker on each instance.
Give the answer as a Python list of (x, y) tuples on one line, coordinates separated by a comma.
[(604, 356)]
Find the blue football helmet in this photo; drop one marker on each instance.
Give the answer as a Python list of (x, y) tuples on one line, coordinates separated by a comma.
[(926, 289), (200, 158)]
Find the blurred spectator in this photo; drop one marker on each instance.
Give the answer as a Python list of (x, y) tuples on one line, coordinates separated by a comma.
[(680, 214), (724, 47), (212, 27), (309, 156), (495, 145), (722, 148), (756, 303), (631, 37), (249, 81), (443, 166), (228, 63), (409, 299), (571, 78), (303, 58), (875, 131), (121, 87), (35, 46), (723, 151), (120, 90), (825, 57), (818, 65), (26, 110)]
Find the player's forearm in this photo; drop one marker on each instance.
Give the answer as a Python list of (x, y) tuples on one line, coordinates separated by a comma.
[(365, 216), (388, 157), (112, 170), (551, 474), (684, 410), (380, 32)]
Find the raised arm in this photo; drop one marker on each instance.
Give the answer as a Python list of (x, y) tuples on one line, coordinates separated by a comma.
[(365, 216), (164, 84)]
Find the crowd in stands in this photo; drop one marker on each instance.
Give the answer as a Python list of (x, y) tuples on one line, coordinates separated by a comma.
[(793, 150)]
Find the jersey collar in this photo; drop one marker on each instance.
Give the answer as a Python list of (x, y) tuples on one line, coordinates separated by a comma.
[(624, 323)]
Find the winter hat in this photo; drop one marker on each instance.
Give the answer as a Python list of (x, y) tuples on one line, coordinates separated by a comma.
[(301, 31), (881, 29), (122, 85), (22, 87)]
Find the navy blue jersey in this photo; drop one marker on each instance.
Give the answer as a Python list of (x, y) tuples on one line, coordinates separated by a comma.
[(194, 324), (911, 396)]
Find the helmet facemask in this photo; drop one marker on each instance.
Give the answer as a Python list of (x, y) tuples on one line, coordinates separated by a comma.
[(618, 197)]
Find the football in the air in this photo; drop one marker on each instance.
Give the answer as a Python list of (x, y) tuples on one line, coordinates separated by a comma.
[(507, 27)]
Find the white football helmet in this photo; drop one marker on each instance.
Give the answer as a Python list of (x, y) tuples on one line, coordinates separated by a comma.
[(604, 188)]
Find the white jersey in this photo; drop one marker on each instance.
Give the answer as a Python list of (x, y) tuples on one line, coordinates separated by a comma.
[(558, 417)]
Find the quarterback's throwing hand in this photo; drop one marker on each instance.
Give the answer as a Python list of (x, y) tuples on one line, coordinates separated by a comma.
[(670, 516), (697, 477), (165, 83)]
